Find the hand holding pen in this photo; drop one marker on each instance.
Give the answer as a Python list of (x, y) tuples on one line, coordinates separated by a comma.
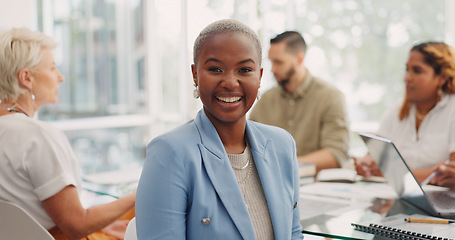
[(436, 171), (444, 174)]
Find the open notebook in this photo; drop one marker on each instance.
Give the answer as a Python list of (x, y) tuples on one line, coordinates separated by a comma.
[(434, 200)]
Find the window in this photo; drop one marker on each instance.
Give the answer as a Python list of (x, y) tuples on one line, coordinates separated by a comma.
[(362, 46), (103, 102), (127, 62)]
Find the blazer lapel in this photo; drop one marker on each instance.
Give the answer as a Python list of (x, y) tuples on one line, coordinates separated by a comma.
[(265, 156), (222, 176)]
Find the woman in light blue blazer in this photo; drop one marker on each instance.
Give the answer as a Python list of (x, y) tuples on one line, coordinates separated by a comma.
[(220, 176)]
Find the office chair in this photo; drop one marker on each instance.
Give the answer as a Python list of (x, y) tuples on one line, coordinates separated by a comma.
[(130, 233), (16, 223)]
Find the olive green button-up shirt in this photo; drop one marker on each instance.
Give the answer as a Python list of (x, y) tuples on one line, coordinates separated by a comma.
[(315, 116)]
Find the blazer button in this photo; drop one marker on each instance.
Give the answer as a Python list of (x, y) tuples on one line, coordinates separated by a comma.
[(205, 220)]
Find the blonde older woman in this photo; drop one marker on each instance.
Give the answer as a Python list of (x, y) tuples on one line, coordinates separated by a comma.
[(38, 169)]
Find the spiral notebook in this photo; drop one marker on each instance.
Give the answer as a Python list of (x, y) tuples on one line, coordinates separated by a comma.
[(394, 227)]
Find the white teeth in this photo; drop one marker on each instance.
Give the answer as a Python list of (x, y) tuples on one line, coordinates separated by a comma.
[(229, 99)]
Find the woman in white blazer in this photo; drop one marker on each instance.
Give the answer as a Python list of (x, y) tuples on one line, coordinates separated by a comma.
[(220, 176)]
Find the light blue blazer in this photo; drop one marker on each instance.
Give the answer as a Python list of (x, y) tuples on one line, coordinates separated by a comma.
[(188, 189)]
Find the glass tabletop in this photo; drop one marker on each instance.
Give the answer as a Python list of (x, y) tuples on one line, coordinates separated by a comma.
[(336, 223)]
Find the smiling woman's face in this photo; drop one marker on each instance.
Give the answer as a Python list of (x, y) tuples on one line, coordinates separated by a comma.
[(228, 75)]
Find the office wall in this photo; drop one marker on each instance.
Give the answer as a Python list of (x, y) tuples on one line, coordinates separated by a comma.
[(17, 13)]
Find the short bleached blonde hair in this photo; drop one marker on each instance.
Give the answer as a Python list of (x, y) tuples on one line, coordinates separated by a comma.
[(20, 48), (221, 26)]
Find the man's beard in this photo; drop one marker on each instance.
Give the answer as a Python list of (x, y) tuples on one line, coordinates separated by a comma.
[(285, 81)]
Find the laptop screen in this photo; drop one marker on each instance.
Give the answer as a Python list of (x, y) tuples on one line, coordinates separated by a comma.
[(395, 170)]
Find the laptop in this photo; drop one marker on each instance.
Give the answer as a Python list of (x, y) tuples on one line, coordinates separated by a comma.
[(434, 200)]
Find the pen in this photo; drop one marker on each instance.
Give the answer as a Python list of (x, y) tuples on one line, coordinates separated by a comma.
[(428, 179), (420, 220)]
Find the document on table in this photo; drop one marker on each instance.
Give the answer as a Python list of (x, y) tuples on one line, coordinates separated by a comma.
[(113, 183), (115, 177), (349, 190), (312, 206)]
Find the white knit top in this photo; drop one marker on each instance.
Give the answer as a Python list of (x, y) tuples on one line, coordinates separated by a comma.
[(247, 176)]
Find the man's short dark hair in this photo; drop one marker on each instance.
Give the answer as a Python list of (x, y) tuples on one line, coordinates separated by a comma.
[(294, 41)]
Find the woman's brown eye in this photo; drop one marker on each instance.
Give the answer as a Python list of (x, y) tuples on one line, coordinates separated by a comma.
[(244, 70), (214, 69)]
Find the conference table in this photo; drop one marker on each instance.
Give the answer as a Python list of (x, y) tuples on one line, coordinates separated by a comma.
[(327, 209)]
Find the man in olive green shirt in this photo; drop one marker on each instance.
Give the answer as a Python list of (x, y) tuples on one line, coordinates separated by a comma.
[(310, 109)]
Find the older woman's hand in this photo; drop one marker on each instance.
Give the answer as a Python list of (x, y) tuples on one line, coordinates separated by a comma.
[(445, 176), (366, 166)]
